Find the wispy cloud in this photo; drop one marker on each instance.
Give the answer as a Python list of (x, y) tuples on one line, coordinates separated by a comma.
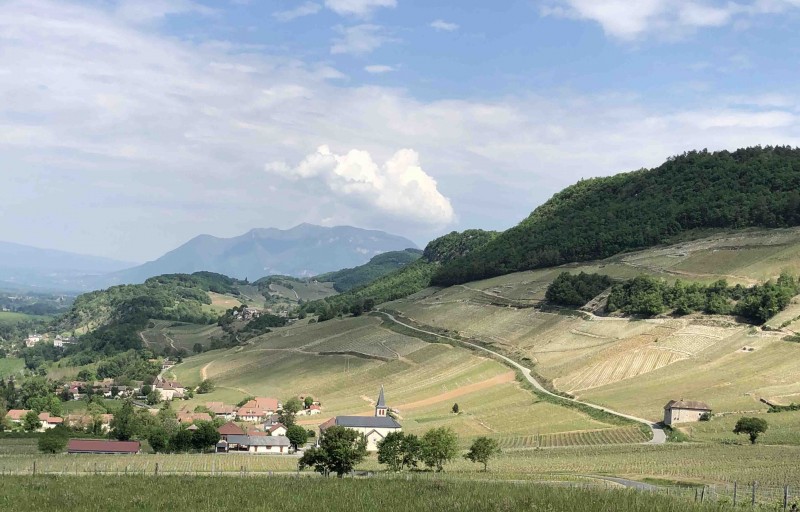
[(664, 19), (444, 26), (305, 9), (358, 7), (378, 69), (140, 11), (360, 39)]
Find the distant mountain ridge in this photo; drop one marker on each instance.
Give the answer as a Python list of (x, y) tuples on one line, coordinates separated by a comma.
[(27, 266), (304, 250)]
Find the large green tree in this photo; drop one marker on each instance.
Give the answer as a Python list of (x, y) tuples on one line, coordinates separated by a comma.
[(54, 440), (753, 427), (289, 411), (205, 437), (340, 450), (482, 450), (125, 425), (439, 446), (30, 422), (297, 435)]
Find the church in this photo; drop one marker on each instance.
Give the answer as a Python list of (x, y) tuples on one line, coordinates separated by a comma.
[(374, 427)]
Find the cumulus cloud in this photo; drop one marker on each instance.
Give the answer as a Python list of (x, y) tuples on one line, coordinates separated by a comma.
[(378, 69), (305, 9), (399, 188), (358, 7), (628, 20), (445, 26), (359, 39)]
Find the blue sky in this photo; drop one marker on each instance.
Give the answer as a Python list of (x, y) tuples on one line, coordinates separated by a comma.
[(128, 127)]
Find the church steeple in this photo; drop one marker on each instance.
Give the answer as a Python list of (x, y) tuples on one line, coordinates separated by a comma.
[(380, 406)]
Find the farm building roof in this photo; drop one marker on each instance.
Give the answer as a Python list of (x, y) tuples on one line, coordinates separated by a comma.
[(364, 422), (259, 440), (230, 429), (101, 446), (687, 404)]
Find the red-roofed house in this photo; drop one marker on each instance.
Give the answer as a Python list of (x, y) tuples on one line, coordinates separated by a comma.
[(48, 421), (277, 429), (191, 417), (17, 415), (258, 409), (221, 410), (230, 429), (102, 446)]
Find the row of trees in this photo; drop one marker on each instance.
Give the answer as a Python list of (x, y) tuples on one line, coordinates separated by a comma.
[(342, 449), (576, 290), (648, 296)]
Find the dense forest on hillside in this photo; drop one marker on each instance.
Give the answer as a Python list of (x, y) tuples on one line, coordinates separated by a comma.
[(115, 317), (379, 266), (597, 218), (405, 281)]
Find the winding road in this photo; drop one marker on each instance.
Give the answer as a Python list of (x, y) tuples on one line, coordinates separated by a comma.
[(659, 437)]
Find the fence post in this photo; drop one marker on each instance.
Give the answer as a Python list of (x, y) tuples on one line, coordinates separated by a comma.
[(785, 497), (735, 488), (703, 494), (695, 494), (34, 468), (753, 499), (156, 473)]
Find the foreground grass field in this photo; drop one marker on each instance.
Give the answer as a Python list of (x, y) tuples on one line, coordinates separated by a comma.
[(286, 494), (770, 466)]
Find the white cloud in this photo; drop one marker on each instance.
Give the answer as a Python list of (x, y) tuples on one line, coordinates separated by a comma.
[(140, 11), (142, 139), (358, 7), (305, 9), (445, 26), (359, 39), (665, 19), (378, 69), (399, 188)]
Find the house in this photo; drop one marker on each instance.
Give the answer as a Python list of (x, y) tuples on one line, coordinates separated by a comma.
[(230, 429), (192, 417), (169, 389), (32, 340), (277, 445), (257, 409), (311, 411), (684, 411), (84, 421), (48, 421), (221, 410), (374, 427), (278, 429), (102, 446), (253, 431), (16, 415), (62, 342)]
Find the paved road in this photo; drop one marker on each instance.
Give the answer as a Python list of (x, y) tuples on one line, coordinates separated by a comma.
[(659, 437)]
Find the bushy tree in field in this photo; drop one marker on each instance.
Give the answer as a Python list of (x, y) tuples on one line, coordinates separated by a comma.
[(205, 436), (576, 290), (289, 411), (158, 437), (54, 440), (753, 427), (153, 397), (439, 446), (390, 450), (207, 386), (340, 450), (181, 441), (482, 450), (308, 401), (30, 422), (297, 436), (125, 424), (455, 408), (197, 348)]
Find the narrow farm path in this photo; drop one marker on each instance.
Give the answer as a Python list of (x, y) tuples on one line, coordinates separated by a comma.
[(204, 371), (659, 437)]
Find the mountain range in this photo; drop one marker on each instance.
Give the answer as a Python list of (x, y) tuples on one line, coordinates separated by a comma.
[(304, 250)]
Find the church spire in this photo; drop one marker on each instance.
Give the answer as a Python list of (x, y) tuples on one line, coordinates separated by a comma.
[(380, 406)]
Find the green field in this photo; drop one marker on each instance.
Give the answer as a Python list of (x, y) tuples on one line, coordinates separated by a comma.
[(10, 366), (292, 494)]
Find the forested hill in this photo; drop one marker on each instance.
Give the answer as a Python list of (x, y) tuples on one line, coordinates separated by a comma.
[(600, 217), (380, 265)]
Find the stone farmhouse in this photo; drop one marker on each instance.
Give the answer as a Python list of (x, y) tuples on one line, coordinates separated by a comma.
[(221, 410), (684, 411), (47, 422), (374, 427), (169, 389)]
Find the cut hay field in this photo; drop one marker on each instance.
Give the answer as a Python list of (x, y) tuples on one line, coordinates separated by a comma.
[(221, 303), (636, 366), (344, 363), (784, 429)]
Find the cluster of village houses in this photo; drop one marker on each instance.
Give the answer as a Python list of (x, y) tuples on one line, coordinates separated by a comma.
[(58, 342)]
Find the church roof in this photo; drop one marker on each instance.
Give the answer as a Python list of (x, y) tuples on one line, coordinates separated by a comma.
[(381, 400), (367, 422)]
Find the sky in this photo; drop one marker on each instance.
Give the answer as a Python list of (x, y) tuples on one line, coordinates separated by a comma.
[(127, 127)]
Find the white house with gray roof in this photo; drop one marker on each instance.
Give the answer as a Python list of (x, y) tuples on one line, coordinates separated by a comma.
[(276, 445), (374, 427)]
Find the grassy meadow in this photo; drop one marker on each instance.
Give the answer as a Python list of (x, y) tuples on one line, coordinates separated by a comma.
[(287, 494), (10, 366)]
